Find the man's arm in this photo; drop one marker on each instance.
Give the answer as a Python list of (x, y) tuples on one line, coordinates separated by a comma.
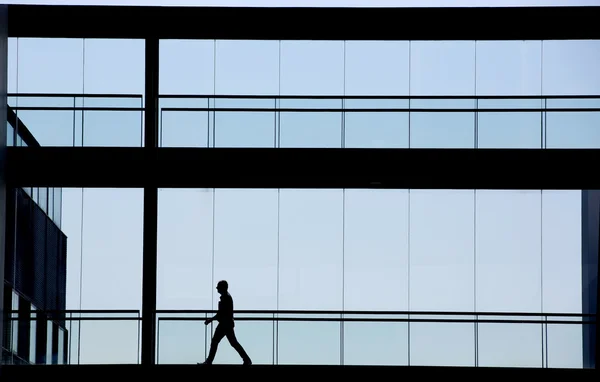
[(217, 316)]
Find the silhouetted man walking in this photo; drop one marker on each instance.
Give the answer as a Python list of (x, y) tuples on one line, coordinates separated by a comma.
[(225, 328)]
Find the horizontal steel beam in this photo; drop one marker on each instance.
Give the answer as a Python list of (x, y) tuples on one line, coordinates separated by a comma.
[(286, 371), (288, 23), (303, 168)]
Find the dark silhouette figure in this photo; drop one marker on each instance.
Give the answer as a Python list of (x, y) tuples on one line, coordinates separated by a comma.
[(226, 326)]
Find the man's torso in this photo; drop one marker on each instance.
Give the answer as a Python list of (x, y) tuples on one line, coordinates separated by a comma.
[(226, 310)]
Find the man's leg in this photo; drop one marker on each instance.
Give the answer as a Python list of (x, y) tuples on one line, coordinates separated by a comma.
[(237, 346), (214, 344)]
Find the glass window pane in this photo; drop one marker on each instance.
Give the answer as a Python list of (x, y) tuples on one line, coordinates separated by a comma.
[(564, 344), (508, 249), (577, 129), (377, 68), (10, 134), (50, 211), (376, 251), (109, 342), (43, 199), (444, 68), (509, 68), (509, 129), (49, 127), (245, 128), (187, 67), (32, 335), (180, 128), (377, 129), (247, 67), (61, 346), (124, 75), (442, 128), (375, 343), (50, 328), (306, 128), (442, 343), (510, 345), (570, 67), (112, 234), (185, 249), (562, 250), (246, 246), (119, 128), (442, 249), (309, 343), (312, 68), (58, 207), (13, 64), (71, 226), (62, 69), (183, 341), (311, 250)]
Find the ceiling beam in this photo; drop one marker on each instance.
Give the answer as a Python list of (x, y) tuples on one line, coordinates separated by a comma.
[(305, 23), (304, 168)]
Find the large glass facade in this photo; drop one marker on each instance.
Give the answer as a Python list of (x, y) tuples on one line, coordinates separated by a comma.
[(336, 276), (377, 250)]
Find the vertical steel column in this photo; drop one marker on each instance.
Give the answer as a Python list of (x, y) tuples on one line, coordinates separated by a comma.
[(596, 357), (3, 113), (590, 245), (150, 206)]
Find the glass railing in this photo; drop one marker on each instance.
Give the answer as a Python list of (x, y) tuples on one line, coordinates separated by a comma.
[(74, 337), (535, 340), (311, 121), (76, 120), (380, 338), (380, 122)]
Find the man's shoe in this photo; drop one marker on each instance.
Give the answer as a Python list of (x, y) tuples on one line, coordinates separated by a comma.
[(205, 363), (247, 362)]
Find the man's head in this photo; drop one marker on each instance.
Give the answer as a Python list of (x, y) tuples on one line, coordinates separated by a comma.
[(222, 287)]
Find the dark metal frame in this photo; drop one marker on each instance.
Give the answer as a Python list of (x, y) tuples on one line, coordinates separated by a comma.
[(23, 131), (150, 206), (150, 167), (3, 111), (289, 23)]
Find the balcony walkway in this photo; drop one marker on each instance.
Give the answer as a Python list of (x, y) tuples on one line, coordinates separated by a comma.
[(190, 372)]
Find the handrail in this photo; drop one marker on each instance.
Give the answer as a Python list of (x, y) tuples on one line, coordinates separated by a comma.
[(301, 96), (76, 108), (409, 320), (315, 312), (80, 311), (341, 318), (381, 312), (450, 97), (313, 110), (320, 319), (74, 95), (368, 110)]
